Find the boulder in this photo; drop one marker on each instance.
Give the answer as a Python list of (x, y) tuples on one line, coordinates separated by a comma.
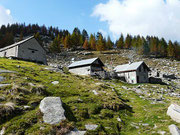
[(91, 126), (174, 130), (174, 112), (52, 110)]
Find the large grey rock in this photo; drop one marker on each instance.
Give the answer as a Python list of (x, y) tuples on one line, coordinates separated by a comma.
[(52, 109), (174, 130), (91, 126), (174, 112)]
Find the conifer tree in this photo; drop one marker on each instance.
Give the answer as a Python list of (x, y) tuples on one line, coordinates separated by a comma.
[(55, 46), (92, 42), (67, 42), (86, 45), (170, 50), (109, 43), (120, 42), (100, 43), (128, 41)]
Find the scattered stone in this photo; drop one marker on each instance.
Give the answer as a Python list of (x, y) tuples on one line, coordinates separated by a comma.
[(155, 126), (145, 124), (2, 78), (76, 132), (91, 126), (95, 92), (52, 109), (138, 91), (55, 82), (2, 131), (3, 85), (162, 132), (174, 112), (6, 71), (124, 87), (118, 119), (31, 84), (26, 107), (174, 130)]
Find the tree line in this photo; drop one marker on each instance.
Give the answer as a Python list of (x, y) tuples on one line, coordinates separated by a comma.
[(61, 39)]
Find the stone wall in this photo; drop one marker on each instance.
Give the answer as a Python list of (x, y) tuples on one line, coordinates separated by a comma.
[(31, 50), (81, 70), (12, 52)]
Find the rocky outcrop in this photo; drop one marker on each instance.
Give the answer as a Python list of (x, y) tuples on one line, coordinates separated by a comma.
[(174, 112), (52, 110), (174, 130)]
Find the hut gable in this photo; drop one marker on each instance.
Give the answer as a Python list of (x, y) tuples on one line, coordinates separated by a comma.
[(28, 49), (86, 67), (136, 72)]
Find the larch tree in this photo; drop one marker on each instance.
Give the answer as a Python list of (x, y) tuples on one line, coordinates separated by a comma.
[(101, 46), (92, 42), (170, 50), (86, 45), (67, 42)]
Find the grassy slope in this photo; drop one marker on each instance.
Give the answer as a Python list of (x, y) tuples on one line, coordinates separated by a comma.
[(81, 105), (145, 113)]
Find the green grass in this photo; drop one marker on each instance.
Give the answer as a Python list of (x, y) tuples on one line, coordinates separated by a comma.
[(80, 104)]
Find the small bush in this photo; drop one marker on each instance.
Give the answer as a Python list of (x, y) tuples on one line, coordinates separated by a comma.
[(107, 113)]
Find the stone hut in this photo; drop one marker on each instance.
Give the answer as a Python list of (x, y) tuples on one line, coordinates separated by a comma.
[(86, 67), (136, 72), (28, 49)]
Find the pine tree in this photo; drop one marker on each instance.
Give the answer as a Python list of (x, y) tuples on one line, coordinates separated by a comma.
[(170, 50), (55, 46), (128, 41), (120, 42), (109, 43), (85, 35), (21, 36)]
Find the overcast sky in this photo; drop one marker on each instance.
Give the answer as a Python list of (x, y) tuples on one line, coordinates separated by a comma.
[(111, 17)]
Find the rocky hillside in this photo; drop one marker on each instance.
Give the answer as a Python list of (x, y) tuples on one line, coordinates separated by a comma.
[(31, 94)]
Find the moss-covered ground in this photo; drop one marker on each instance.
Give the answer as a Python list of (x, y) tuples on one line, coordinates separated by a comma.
[(115, 110)]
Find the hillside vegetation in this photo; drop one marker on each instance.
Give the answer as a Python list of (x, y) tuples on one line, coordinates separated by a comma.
[(117, 109)]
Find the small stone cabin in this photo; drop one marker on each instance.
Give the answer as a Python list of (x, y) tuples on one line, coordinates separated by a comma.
[(28, 49), (86, 67), (136, 72)]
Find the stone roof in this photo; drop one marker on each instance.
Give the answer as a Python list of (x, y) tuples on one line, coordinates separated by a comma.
[(17, 43), (84, 62), (129, 67)]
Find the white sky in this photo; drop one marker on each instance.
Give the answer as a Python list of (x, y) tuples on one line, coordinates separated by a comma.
[(145, 17), (5, 16)]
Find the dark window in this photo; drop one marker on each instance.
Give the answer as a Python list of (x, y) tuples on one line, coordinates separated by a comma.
[(33, 51), (139, 69)]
